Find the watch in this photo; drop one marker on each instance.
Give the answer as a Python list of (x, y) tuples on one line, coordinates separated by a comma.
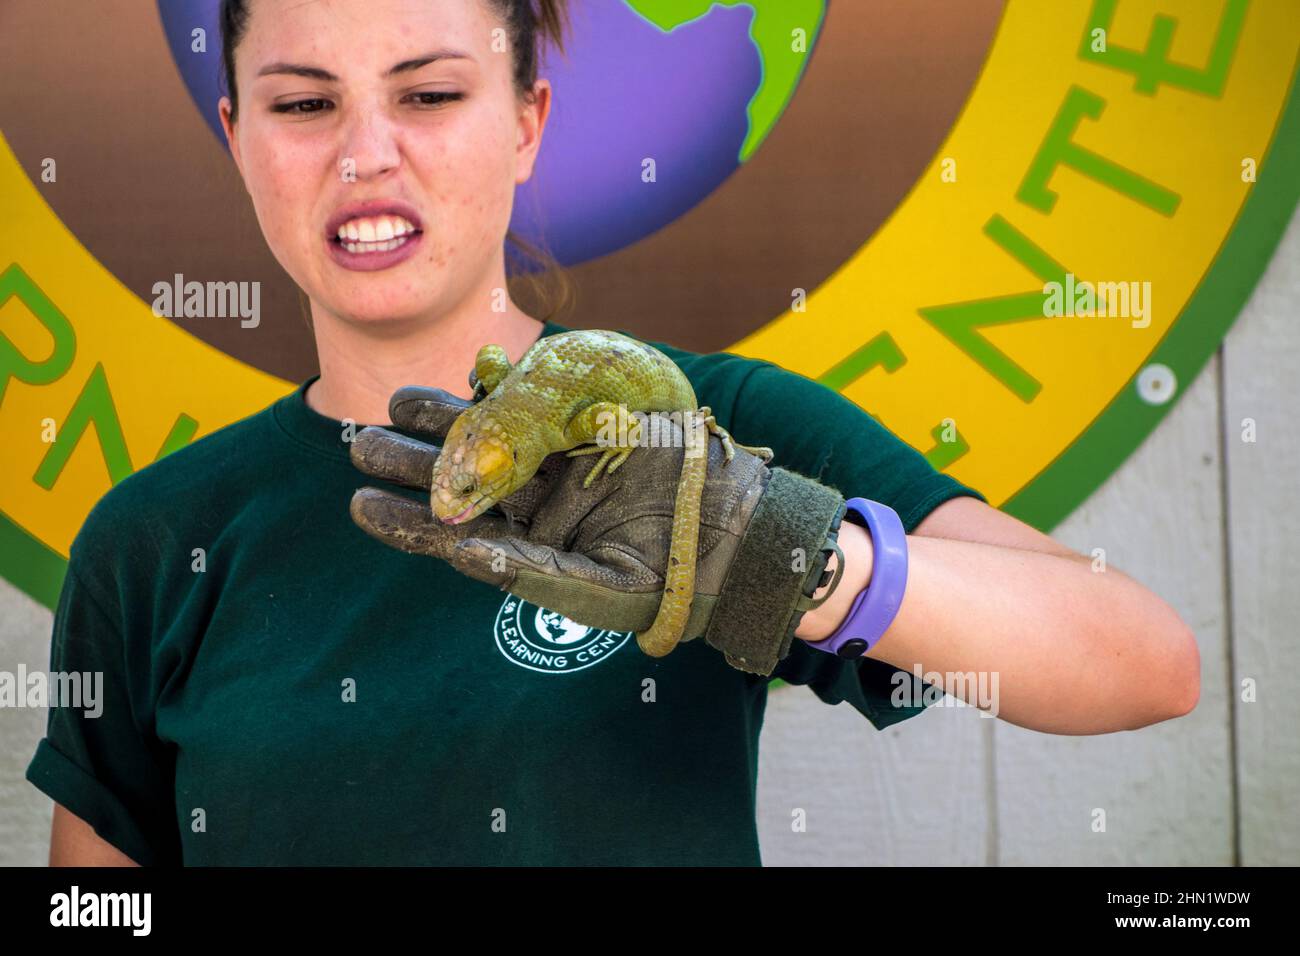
[(875, 608)]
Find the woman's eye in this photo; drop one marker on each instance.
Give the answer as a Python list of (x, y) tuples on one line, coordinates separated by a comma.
[(302, 106), (317, 105), (435, 98)]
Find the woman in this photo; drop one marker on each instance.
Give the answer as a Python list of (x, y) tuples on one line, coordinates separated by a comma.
[(282, 688)]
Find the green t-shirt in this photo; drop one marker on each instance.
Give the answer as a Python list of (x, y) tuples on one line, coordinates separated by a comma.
[(298, 693)]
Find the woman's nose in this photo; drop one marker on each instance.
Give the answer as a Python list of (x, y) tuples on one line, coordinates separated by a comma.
[(370, 144)]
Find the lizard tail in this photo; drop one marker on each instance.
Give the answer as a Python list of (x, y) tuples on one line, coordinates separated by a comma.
[(679, 580)]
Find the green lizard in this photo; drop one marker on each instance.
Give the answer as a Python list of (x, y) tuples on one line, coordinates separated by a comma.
[(566, 394)]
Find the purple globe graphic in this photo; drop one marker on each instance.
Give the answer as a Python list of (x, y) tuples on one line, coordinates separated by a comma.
[(628, 96)]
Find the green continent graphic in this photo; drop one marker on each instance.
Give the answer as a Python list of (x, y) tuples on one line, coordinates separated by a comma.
[(783, 31)]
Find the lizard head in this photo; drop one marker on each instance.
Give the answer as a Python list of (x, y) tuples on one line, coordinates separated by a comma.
[(475, 470)]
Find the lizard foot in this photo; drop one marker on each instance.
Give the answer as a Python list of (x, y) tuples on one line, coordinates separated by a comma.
[(729, 444), (491, 367), (617, 455), (635, 432)]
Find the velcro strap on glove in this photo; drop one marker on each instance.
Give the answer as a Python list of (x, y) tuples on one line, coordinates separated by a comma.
[(764, 597)]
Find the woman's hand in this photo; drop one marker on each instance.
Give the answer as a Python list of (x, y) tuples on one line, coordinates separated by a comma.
[(598, 555)]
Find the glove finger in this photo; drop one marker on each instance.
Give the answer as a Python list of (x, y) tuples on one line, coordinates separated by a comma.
[(500, 558), (622, 595), (410, 525), (431, 411), (385, 454)]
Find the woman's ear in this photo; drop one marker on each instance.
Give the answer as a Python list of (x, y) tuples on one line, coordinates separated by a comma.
[(532, 123), (228, 127)]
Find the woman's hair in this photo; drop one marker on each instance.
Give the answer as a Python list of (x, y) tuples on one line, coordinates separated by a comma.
[(529, 24)]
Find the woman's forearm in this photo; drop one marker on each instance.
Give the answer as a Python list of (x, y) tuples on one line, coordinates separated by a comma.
[(1073, 650)]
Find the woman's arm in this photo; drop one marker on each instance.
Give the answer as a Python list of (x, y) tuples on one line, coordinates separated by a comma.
[(1075, 651), (74, 842)]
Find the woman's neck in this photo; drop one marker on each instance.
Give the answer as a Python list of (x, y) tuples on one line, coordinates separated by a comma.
[(361, 367)]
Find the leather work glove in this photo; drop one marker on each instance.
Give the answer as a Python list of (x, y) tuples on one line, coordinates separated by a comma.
[(598, 555)]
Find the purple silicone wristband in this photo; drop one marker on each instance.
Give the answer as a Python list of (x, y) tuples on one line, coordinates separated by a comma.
[(875, 608)]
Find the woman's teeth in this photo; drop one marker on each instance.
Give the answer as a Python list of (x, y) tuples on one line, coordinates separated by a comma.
[(374, 246), (375, 233)]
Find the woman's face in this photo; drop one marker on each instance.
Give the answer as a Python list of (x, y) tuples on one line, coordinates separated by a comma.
[(395, 121)]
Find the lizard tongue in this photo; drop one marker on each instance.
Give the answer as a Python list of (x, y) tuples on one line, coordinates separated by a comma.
[(460, 517)]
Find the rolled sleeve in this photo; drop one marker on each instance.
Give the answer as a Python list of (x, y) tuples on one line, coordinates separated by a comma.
[(60, 778), (104, 766)]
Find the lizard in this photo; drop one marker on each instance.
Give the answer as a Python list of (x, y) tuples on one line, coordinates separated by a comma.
[(571, 392)]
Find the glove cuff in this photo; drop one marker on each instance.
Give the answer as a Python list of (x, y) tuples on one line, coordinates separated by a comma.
[(763, 599)]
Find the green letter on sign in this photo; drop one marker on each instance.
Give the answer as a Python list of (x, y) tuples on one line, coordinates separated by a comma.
[(95, 406), (13, 364), (1151, 66), (960, 322), (1058, 149)]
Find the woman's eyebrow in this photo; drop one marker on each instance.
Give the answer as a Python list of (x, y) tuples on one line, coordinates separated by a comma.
[(406, 66)]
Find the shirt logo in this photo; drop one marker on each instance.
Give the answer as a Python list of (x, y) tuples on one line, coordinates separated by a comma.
[(546, 641)]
